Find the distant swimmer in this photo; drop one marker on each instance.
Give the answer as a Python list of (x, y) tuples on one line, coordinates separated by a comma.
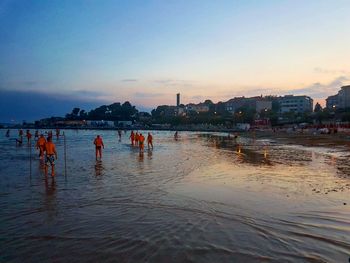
[(132, 138), (29, 136), (137, 137), (8, 133), (50, 156), (49, 134), (98, 145), (120, 135), (36, 134), (176, 135), (40, 144), (19, 141), (58, 133), (150, 140), (141, 143)]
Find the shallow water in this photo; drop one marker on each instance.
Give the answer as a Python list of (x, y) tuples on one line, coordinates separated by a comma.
[(202, 198)]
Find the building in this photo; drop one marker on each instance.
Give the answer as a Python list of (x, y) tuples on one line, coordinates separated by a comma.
[(298, 104), (263, 105), (201, 107), (258, 104), (340, 100), (178, 99), (344, 97), (332, 102)]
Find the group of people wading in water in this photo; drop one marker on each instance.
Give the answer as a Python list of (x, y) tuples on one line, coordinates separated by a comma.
[(48, 153), (47, 149), (136, 139)]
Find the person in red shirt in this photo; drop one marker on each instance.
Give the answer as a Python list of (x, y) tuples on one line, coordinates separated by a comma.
[(99, 145), (141, 143), (149, 140), (29, 136)]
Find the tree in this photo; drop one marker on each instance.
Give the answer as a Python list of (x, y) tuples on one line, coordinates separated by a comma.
[(82, 114), (75, 111), (318, 107)]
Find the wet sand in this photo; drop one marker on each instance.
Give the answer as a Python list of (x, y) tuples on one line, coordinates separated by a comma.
[(305, 139), (203, 198)]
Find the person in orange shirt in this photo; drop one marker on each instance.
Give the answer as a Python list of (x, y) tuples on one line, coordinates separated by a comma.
[(149, 140), (50, 155), (40, 144), (137, 137), (141, 143), (132, 138), (29, 136), (98, 145)]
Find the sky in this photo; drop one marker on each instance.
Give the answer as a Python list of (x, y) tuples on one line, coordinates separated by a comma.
[(88, 53)]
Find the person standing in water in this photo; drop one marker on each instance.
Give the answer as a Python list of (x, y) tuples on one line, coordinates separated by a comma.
[(120, 135), (50, 156), (141, 143), (40, 144), (20, 133), (49, 134), (98, 146), (137, 137), (132, 138), (8, 133), (36, 134), (57, 133), (150, 140), (29, 136), (176, 136), (19, 141)]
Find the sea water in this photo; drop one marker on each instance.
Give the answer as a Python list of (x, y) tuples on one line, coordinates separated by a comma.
[(205, 197)]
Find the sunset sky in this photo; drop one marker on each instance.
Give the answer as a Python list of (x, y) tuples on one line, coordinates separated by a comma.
[(91, 52)]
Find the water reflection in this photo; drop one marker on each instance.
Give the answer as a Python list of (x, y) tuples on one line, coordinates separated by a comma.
[(256, 154), (99, 168), (203, 198), (50, 201)]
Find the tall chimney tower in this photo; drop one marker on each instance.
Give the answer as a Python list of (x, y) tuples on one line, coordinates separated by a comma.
[(178, 99)]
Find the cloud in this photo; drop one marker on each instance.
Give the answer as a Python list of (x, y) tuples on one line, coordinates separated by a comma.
[(198, 97), (88, 94), (148, 95), (33, 105), (174, 82), (330, 71), (321, 90), (129, 80)]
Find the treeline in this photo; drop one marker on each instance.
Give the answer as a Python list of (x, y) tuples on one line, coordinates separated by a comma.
[(215, 115), (112, 112)]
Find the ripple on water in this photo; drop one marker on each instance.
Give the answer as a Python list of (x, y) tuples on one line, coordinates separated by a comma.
[(203, 198)]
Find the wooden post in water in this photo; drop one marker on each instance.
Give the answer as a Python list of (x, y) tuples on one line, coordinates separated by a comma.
[(30, 158), (65, 155)]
